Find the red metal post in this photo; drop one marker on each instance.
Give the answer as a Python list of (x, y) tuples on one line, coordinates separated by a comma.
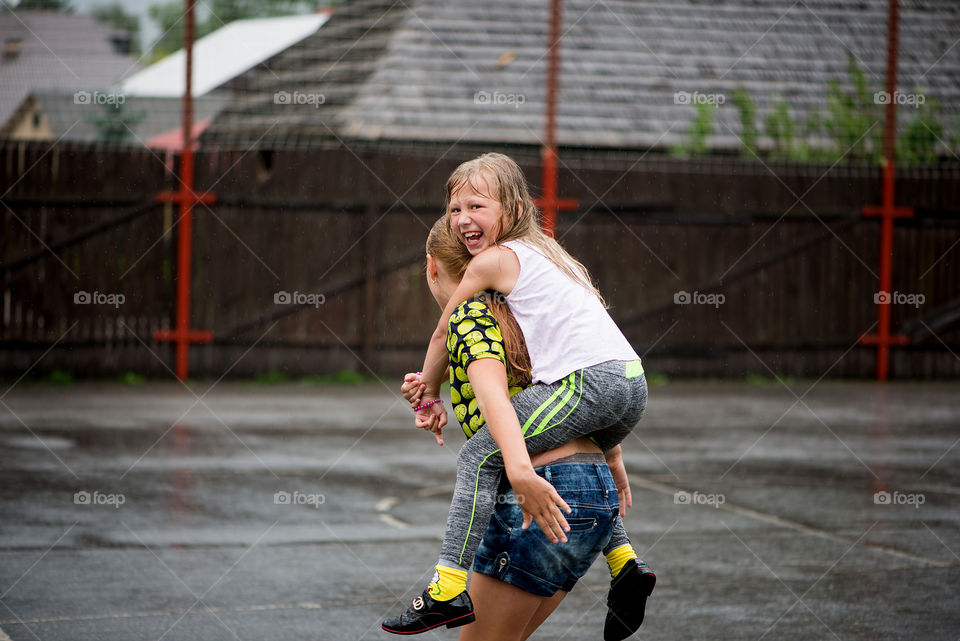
[(186, 198), (549, 202), (887, 211), (185, 231)]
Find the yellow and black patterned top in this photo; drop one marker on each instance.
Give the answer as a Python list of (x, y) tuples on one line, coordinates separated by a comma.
[(472, 333)]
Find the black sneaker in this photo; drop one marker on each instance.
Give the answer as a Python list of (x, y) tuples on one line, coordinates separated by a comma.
[(426, 614), (627, 600)]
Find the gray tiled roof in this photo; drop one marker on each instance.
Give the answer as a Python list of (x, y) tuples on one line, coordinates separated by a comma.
[(145, 117), (449, 70), (59, 51)]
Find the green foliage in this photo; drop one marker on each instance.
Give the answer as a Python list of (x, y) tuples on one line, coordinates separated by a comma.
[(748, 121), (115, 122), (918, 142), (169, 18), (851, 127), (313, 379), (854, 122), (343, 377), (226, 11), (270, 378), (116, 17), (954, 147), (348, 377), (657, 380), (699, 131), (702, 128), (132, 378), (60, 377), (810, 147), (779, 126), (758, 380)]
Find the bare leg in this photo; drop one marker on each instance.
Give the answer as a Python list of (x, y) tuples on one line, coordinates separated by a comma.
[(505, 612), (547, 606)]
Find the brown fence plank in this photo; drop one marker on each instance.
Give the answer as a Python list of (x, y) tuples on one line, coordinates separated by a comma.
[(328, 223)]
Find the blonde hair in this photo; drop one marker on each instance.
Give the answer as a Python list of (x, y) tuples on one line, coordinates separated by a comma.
[(443, 245), (446, 248), (519, 216)]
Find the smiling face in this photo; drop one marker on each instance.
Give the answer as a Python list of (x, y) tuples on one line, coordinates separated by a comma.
[(475, 216)]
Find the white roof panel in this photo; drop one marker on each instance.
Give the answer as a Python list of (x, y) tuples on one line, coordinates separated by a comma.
[(223, 55)]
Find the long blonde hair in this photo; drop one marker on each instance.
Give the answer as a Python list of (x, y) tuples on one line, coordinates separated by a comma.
[(446, 248), (519, 216)]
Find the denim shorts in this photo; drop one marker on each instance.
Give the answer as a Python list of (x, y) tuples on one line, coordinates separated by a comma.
[(526, 558)]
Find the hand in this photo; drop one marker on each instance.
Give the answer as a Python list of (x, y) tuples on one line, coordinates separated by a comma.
[(412, 388), (540, 502), (615, 461), (432, 418)]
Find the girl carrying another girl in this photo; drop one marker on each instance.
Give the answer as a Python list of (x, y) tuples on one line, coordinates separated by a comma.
[(587, 381), (518, 577)]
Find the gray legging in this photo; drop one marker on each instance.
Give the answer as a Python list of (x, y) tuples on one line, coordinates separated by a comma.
[(604, 402)]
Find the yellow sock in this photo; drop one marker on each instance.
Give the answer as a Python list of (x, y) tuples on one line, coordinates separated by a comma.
[(618, 557), (448, 583)]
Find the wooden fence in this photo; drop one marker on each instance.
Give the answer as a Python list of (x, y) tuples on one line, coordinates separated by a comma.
[(713, 267)]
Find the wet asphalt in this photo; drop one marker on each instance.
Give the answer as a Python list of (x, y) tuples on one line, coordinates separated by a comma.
[(289, 512)]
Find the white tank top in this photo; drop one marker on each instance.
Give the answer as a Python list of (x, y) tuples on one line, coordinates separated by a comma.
[(564, 324)]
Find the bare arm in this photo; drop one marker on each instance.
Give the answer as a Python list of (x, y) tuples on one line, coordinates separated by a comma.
[(496, 268), (615, 461), (538, 499)]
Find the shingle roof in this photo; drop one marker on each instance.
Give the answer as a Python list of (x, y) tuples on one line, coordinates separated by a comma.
[(145, 117), (59, 51), (460, 70), (222, 55)]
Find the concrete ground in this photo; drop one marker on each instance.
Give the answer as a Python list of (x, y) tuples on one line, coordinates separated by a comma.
[(237, 511)]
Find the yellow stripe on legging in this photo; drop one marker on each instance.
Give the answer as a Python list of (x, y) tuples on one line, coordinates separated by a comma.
[(543, 406), (566, 399), (473, 508)]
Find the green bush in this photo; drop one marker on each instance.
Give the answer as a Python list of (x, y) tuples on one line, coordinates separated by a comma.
[(851, 124)]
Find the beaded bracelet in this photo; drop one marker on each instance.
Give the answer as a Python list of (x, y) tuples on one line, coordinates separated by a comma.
[(427, 404)]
